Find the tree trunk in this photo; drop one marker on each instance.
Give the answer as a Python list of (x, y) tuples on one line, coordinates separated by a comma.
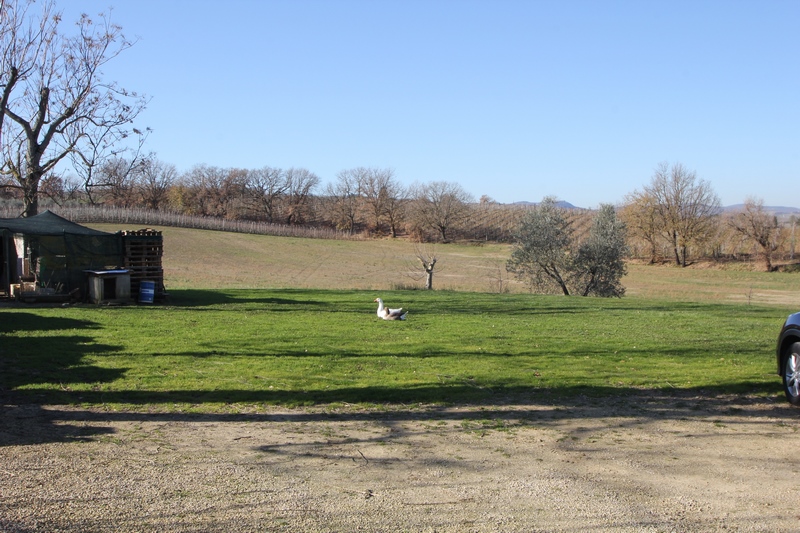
[(675, 249), (564, 288), (30, 194), (428, 265), (768, 260), (653, 252), (589, 285)]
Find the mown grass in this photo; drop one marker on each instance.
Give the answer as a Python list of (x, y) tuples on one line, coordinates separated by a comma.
[(205, 350)]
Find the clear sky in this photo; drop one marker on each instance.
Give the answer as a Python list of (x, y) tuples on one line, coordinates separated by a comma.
[(516, 100)]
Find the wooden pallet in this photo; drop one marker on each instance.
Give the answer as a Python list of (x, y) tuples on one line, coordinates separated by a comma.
[(143, 252)]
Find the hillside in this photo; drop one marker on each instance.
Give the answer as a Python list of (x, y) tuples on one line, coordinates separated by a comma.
[(203, 259)]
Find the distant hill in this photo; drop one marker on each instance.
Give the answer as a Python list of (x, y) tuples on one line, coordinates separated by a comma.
[(776, 210), (560, 203)]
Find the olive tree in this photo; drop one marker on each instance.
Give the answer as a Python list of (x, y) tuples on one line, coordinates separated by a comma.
[(541, 253), (549, 258), (600, 262), (54, 99)]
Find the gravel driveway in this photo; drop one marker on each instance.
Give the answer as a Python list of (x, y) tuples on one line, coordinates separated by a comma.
[(646, 463)]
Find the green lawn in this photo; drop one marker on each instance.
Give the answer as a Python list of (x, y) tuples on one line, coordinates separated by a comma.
[(203, 350)]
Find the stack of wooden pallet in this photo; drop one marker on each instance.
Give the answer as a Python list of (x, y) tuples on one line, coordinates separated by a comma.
[(143, 251)]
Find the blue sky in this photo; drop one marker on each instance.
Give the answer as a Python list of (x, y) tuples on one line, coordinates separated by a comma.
[(516, 100)]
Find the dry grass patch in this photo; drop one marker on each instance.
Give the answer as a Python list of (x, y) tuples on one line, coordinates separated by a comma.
[(219, 260)]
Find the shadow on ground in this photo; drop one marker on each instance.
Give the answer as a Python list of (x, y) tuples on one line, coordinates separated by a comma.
[(26, 422), (38, 406)]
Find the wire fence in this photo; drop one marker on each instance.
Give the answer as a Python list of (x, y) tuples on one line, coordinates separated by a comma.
[(149, 217)]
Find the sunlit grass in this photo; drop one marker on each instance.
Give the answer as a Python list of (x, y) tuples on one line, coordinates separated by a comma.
[(207, 349)]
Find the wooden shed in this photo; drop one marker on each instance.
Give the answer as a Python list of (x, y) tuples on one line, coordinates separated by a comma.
[(48, 257)]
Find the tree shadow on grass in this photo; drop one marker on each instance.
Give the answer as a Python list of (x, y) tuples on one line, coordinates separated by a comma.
[(27, 362), (416, 301), (54, 359), (36, 373), (65, 417), (203, 298)]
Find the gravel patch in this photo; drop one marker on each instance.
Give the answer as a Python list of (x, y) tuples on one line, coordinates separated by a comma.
[(650, 463)]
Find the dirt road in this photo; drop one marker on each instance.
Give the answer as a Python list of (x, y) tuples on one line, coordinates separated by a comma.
[(648, 463)]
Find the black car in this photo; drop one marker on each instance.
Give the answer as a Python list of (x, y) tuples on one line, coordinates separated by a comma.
[(788, 353)]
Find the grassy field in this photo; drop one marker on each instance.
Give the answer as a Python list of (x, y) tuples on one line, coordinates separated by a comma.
[(255, 320), (216, 260)]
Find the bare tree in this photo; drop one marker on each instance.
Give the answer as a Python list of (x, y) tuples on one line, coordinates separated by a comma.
[(266, 186), (92, 153), (155, 178), (301, 184), (376, 186), (115, 181), (497, 276), (72, 187), (759, 226), (213, 191), (441, 206), (426, 255), (21, 37), (642, 218), (53, 95), (686, 209), (54, 187), (396, 201), (345, 198)]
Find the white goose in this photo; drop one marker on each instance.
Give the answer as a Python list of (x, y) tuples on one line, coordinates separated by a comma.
[(390, 314)]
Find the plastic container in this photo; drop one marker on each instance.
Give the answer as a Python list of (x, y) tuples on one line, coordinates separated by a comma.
[(147, 292)]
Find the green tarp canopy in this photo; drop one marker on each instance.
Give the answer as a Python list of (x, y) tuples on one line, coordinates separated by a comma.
[(47, 223), (56, 250)]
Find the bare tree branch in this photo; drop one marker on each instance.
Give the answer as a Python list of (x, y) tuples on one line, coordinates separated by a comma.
[(54, 96)]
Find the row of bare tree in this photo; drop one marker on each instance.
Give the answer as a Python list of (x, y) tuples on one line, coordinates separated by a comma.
[(55, 108), (677, 214), (360, 199)]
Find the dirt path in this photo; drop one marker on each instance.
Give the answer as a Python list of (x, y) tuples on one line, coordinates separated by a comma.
[(651, 463)]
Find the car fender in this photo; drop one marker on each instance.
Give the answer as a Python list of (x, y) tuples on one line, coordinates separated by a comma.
[(790, 333)]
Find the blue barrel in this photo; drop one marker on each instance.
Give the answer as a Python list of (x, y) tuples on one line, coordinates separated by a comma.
[(147, 292)]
